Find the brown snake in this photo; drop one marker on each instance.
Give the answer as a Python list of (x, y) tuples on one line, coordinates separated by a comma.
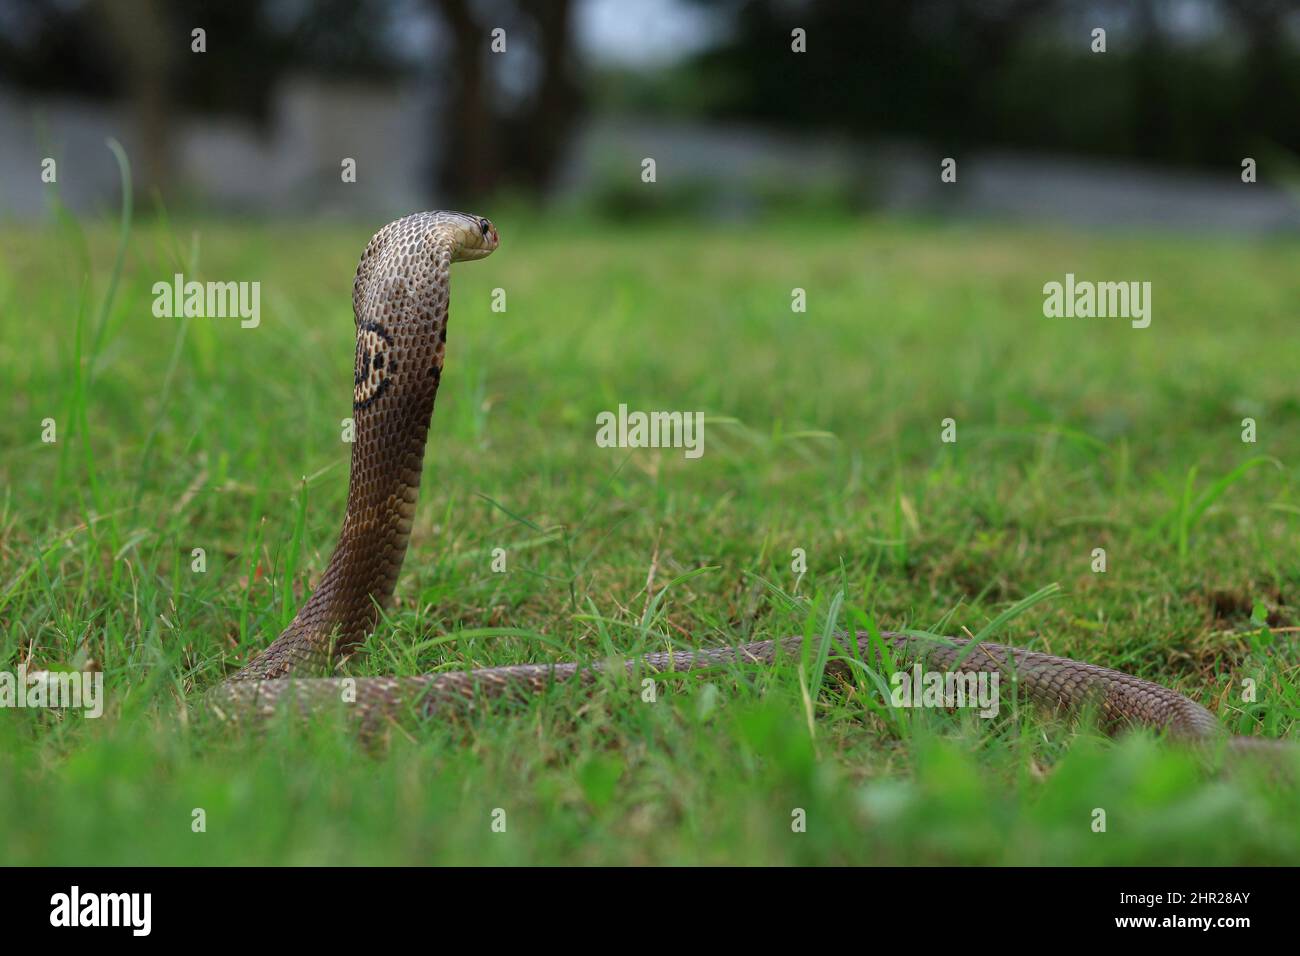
[(400, 300)]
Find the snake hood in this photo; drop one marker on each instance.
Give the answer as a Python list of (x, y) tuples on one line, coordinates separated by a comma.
[(400, 298)]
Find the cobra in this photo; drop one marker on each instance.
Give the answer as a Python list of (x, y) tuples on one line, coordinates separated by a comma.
[(400, 299)]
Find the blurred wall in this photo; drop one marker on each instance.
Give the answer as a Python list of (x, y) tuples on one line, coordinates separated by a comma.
[(292, 164)]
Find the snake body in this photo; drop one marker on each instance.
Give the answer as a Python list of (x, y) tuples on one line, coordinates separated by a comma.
[(400, 299)]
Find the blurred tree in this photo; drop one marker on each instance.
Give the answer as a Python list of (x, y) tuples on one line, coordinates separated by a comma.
[(542, 130), (54, 47), (905, 66), (498, 142), (955, 73), (468, 157), (1020, 73), (140, 51), (1271, 79), (141, 35)]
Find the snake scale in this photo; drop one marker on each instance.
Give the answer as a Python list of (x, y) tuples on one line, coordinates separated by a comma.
[(400, 299)]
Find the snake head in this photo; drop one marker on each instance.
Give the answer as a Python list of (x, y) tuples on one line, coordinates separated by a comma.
[(477, 237)]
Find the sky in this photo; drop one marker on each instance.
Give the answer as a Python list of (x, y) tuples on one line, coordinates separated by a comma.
[(643, 32)]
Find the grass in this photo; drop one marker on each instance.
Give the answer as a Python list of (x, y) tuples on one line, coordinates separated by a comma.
[(823, 434)]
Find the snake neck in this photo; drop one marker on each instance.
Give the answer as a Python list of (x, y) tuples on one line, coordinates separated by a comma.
[(401, 301)]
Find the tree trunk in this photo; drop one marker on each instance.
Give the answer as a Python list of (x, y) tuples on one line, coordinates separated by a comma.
[(468, 161), (141, 35)]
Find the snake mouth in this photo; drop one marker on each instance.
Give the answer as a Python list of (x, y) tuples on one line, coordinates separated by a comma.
[(469, 255)]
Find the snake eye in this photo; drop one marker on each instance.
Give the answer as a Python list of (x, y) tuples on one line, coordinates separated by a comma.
[(485, 226)]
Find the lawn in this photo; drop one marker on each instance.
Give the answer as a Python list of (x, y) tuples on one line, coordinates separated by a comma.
[(823, 433)]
